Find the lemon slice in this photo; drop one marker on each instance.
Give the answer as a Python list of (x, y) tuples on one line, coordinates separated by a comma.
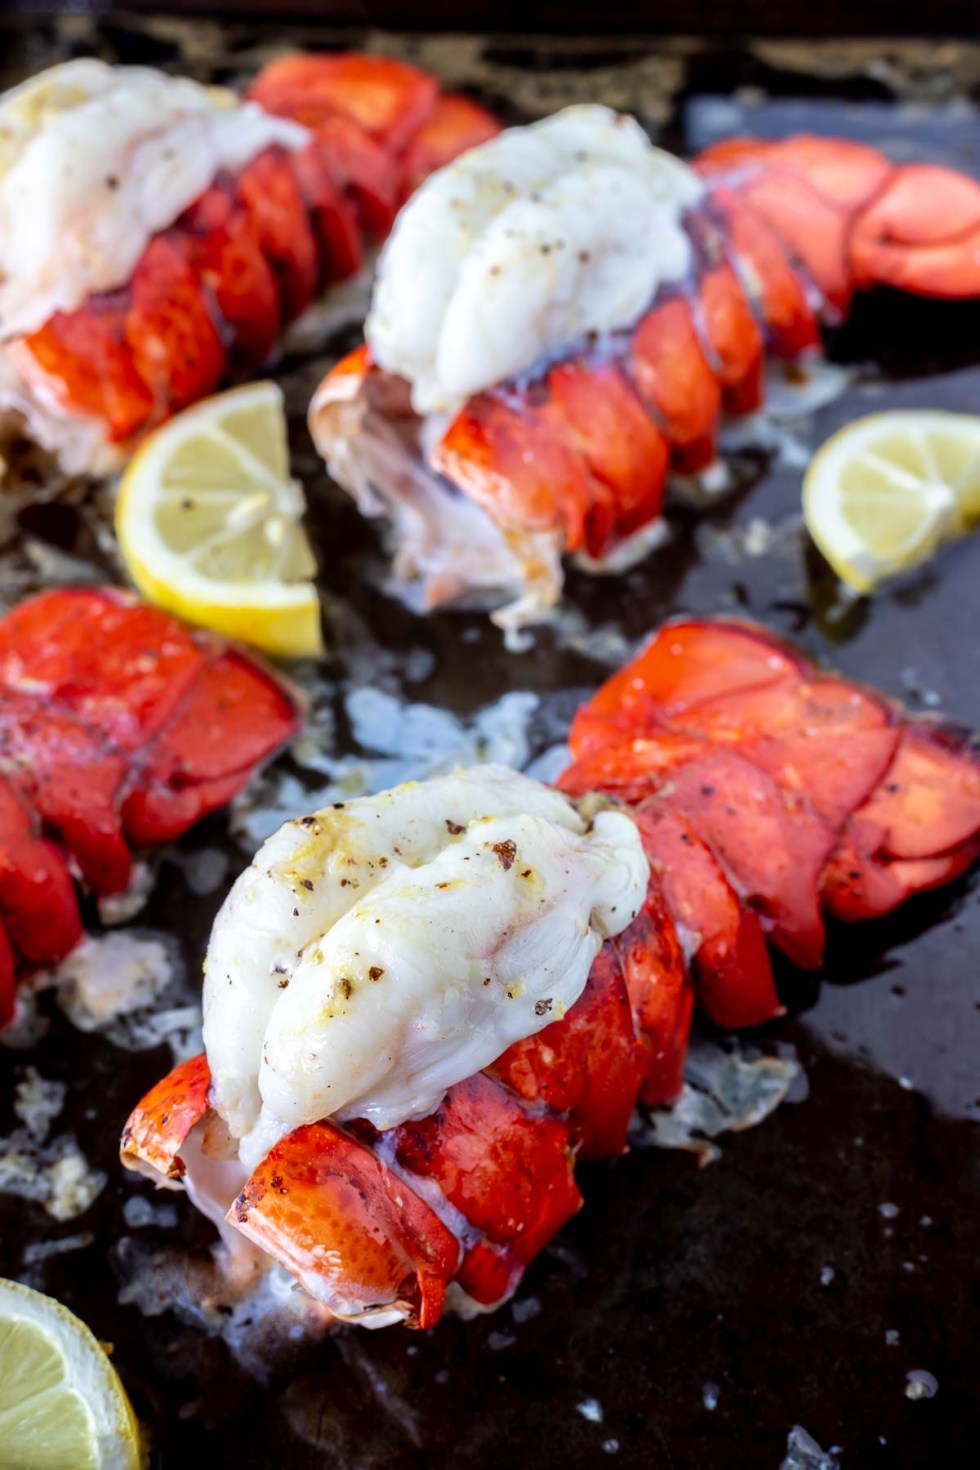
[(210, 523), (61, 1402), (886, 491)]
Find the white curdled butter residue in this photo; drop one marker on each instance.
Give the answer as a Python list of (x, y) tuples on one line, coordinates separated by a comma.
[(380, 951), (521, 246), (94, 160)]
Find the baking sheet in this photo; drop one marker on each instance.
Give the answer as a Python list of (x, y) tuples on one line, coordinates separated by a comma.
[(687, 1317)]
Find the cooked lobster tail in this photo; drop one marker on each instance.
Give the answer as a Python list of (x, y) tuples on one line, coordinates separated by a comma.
[(805, 223), (769, 796), (119, 728), (377, 1225), (571, 454), (213, 291)]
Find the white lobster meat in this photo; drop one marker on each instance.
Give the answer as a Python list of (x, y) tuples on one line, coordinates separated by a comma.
[(538, 237), (378, 952), (94, 160)]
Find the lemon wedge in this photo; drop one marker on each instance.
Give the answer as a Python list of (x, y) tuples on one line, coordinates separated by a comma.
[(61, 1401), (210, 523), (884, 493)]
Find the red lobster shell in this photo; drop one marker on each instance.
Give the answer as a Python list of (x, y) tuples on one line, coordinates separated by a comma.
[(119, 728)]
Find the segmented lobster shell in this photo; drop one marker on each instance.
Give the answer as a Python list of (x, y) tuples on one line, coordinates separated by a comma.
[(119, 728)]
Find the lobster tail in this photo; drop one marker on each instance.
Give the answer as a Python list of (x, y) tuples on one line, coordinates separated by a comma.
[(119, 727), (589, 1065), (563, 443), (346, 138), (768, 797)]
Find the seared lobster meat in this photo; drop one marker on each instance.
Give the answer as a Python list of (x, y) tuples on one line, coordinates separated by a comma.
[(119, 728), (768, 796), (527, 396), (164, 290)]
